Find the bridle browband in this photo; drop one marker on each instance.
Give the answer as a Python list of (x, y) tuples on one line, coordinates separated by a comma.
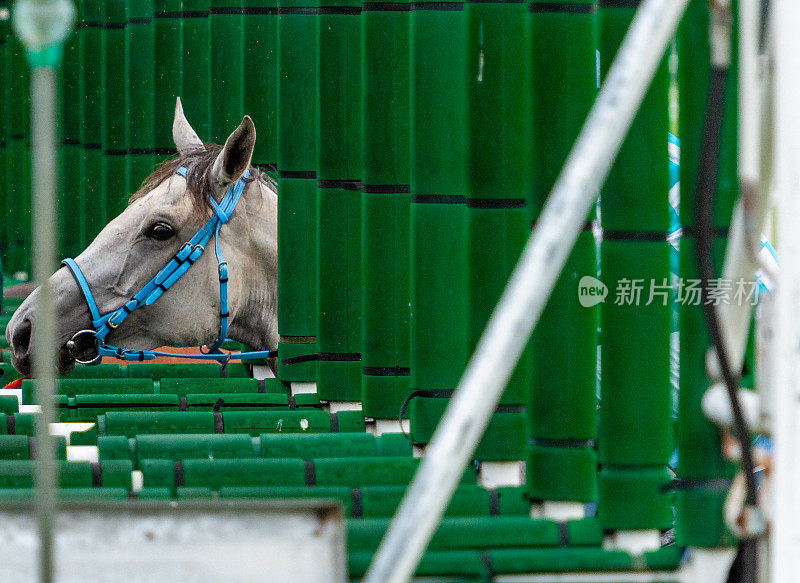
[(180, 263)]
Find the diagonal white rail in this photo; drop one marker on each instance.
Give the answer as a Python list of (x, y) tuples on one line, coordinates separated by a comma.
[(526, 294)]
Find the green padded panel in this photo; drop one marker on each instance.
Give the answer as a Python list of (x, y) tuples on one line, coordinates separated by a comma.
[(333, 445), (88, 407), (189, 493), (699, 519), (375, 471), (340, 494), (18, 447), (114, 473), (116, 447), (97, 371), (258, 422), (196, 386), (307, 400), (237, 370), (161, 370), (72, 387), (243, 472), (21, 423), (88, 437), (592, 559), (365, 534), (131, 424), (9, 404), (238, 401), (65, 495), (468, 500), (562, 473), (435, 564), (154, 494), (631, 499), (180, 447), (503, 440)]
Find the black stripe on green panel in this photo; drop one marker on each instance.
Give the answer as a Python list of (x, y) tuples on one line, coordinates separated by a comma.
[(571, 443), (387, 189), (387, 371), (91, 146), (263, 11), (340, 184), (568, 7), (323, 357), (440, 6), (634, 235), (587, 226), (297, 174), (437, 199), (227, 10), (140, 20), (343, 10), (619, 3), (149, 151), (496, 203), (690, 231), (114, 25), (88, 25), (386, 7)]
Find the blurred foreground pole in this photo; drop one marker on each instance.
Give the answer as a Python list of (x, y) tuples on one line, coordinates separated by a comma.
[(526, 294), (42, 26)]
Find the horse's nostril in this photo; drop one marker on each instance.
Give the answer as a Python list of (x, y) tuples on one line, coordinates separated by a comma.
[(21, 338)]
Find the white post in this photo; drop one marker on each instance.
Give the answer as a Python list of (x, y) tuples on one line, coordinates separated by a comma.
[(527, 292), (785, 533)]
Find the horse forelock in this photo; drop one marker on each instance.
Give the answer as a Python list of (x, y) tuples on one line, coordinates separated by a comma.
[(198, 164)]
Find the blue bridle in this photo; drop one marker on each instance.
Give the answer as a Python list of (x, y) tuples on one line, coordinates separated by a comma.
[(180, 263)]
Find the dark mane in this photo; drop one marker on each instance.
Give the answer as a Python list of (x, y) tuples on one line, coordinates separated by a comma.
[(198, 163)]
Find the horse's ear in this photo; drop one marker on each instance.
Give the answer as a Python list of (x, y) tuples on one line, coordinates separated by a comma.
[(183, 135), (235, 156)]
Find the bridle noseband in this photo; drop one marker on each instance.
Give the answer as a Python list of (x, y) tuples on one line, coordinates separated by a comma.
[(180, 263)]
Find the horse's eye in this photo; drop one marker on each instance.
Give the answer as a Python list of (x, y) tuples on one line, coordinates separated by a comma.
[(160, 231)]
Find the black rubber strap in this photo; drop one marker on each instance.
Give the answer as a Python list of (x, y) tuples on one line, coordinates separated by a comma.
[(311, 474), (177, 468), (486, 561), (494, 502), (262, 385), (387, 371), (11, 425), (386, 188), (340, 184), (569, 7), (334, 423), (292, 403), (640, 236), (566, 443), (563, 534), (32, 447), (496, 203), (356, 508), (181, 403), (97, 475), (618, 3), (219, 425)]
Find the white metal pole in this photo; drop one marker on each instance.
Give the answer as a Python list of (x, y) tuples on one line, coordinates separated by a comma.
[(526, 294), (785, 533), (42, 25)]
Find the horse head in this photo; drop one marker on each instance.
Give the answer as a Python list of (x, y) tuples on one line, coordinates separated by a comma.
[(165, 213)]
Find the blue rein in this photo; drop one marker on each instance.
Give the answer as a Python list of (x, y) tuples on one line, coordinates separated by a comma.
[(180, 263)]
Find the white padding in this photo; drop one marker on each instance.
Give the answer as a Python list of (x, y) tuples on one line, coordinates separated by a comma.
[(83, 453), (303, 388), (66, 429), (392, 426), (496, 474), (137, 480), (634, 542), (558, 511), (336, 406), (16, 392)]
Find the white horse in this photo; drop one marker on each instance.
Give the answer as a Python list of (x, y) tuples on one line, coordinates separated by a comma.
[(164, 214)]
